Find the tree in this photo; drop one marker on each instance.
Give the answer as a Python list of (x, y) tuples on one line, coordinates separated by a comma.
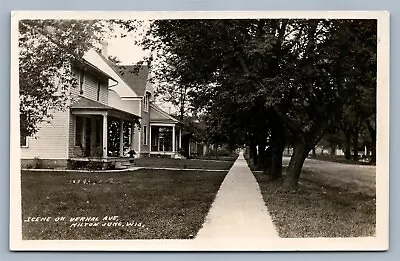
[(47, 48), (270, 75)]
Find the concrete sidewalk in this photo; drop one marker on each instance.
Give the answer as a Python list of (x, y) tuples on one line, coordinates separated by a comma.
[(238, 210)]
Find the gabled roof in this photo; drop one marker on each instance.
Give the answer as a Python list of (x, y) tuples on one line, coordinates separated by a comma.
[(158, 115), (112, 66), (108, 67), (85, 64), (135, 76)]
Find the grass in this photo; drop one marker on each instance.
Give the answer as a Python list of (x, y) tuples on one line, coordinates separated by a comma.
[(163, 204), (319, 208), (340, 159), (225, 164)]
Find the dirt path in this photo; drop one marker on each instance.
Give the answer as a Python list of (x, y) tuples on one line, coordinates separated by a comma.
[(356, 177)]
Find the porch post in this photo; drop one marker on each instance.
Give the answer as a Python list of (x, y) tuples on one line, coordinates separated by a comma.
[(180, 138), (105, 131), (121, 138), (149, 137), (173, 138), (132, 135)]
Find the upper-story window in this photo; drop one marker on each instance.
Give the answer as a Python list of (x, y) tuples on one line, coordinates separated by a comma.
[(23, 141), (146, 101), (81, 81), (98, 89)]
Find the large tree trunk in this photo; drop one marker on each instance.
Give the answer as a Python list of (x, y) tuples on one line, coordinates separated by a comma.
[(347, 148), (372, 133), (253, 154), (267, 161), (296, 164), (261, 157), (276, 163), (355, 145), (277, 146), (333, 150)]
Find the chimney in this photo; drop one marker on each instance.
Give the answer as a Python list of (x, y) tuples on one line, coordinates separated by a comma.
[(104, 47)]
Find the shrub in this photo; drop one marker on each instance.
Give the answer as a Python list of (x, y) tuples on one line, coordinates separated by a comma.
[(38, 163)]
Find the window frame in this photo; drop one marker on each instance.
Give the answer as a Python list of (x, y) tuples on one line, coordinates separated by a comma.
[(81, 81), (145, 135), (98, 89), (26, 142), (147, 101)]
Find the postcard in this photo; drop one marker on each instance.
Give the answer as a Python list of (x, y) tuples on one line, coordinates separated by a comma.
[(199, 131)]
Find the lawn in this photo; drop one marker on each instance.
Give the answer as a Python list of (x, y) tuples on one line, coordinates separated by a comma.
[(320, 207), (212, 164), (149, 204), (341, 159)]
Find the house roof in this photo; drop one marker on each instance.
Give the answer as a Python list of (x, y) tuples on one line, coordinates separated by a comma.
[(88, 65), (88, 104), (135, 76), (158, 115), (116, 70), (85, 103)]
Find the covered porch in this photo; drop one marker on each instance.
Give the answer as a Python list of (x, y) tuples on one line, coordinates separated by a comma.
[(165, 139), (165, 133), (101, 133)]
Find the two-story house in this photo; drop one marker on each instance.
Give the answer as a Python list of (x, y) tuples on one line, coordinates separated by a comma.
[(108, 99)]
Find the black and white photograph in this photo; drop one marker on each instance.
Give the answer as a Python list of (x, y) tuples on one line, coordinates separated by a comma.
[(199, 131)]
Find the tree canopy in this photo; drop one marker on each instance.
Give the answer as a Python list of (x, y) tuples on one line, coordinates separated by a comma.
[(47, 48), (256, 75)]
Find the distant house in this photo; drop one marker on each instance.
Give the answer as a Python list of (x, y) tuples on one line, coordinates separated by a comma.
[(107, 96)]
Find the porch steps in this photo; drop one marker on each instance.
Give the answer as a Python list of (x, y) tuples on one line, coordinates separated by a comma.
[(123, 164)]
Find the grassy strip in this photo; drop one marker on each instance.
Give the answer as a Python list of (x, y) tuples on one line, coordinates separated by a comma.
[(318, 208), (158, 204), (340, 159), (185, 163)]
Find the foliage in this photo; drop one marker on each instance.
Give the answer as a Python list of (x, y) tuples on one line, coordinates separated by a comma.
[(114, 136), (47, 48), (243, 72)]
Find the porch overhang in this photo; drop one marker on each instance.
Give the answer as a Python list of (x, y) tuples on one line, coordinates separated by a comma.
[(160, 117), (85, 106)]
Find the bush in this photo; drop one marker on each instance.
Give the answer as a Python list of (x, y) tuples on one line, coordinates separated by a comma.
[(38, 163), (220, 152), (89, 165)]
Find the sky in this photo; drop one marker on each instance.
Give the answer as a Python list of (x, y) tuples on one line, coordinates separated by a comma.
[(125, 49)]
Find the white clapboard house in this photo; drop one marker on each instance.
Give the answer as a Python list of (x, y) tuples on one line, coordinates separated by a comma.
[(107, 94)]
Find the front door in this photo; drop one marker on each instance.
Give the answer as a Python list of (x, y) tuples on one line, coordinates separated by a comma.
[(88, 140)]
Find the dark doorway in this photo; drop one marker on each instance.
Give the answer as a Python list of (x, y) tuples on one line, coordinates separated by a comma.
[(88, 140)]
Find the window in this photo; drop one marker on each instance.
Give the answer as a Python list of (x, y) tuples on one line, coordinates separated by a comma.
[(98, 89), (79, 131), (146, 102), (81, 81), (24, 141), (144, 135)]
